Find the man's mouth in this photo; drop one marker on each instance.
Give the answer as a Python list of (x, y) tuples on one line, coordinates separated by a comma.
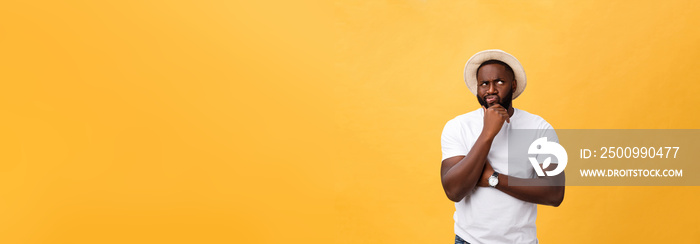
[(491, 99)]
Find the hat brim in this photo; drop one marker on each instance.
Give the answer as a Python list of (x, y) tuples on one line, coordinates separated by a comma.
[(494, 54)]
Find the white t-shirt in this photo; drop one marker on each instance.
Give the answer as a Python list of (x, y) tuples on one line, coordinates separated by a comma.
[(488, 215)]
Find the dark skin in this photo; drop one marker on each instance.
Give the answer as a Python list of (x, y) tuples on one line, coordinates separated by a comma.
[(462, 174)]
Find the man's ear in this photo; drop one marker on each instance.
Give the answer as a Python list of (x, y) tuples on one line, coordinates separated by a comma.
[(514, 86)]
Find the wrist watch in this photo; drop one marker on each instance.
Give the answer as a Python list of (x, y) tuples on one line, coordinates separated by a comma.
[(493, 180)]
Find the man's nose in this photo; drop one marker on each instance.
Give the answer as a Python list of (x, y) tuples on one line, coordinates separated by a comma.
[(492, 89)]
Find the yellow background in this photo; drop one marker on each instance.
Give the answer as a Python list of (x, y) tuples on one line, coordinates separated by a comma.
[(315, 122)]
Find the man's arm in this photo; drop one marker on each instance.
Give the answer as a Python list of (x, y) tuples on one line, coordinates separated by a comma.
[(548, 190), (460, 174)]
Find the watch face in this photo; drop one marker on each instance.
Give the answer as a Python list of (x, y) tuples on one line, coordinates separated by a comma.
[(493, 181)]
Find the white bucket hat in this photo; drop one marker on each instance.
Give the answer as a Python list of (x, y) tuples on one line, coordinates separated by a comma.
[(494, 54)]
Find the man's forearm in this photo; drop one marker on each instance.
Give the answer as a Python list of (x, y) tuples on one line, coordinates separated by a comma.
[(538, 190), (461, 178)]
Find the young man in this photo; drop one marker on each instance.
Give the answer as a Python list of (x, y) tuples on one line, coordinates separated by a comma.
[(475, 159)]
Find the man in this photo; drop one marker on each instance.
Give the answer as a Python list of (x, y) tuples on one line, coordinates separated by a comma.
[(475, 158)]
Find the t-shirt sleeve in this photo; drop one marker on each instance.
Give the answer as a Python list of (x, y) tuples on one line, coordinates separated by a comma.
[(546, 130), (452, 141)]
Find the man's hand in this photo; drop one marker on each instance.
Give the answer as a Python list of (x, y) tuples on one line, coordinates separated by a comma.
[(485, 174), (494, 117)]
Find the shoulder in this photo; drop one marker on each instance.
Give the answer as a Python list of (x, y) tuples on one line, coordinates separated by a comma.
[(531, 121), (465, 122)]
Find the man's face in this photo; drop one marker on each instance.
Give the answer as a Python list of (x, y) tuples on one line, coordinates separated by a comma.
[(495, 85)]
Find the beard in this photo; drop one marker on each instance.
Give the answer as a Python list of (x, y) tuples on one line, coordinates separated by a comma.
[(504, 101)]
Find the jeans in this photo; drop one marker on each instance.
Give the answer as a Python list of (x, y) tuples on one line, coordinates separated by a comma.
[(459, 240)]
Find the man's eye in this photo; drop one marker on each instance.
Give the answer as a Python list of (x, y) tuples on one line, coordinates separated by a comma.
[(500, 82), (483, 83)]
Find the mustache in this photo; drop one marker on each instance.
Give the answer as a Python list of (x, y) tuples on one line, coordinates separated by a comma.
[(504, 101)]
